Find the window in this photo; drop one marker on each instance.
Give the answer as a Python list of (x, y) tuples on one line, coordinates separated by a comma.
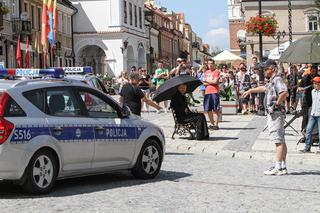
[(313, 23), (26, 5), (135, 16), (140, 17), (39, 17), (97, 107), (65, 23), (130, 13), (13, 9), (36, 98), (125, 12), (60, 22), (61, 102), (69, 25), (96, 84), (33, 17), (13, 109), (234, 12)]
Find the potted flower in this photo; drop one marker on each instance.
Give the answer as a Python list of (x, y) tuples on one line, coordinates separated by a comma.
[(4, 9), (228, 100), (267, 25)]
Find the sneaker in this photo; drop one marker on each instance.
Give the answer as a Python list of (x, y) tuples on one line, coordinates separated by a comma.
[(284, 171), (273, 171), (304, 151)]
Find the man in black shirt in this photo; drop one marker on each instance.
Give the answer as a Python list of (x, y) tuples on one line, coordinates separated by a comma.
[(131, 95)]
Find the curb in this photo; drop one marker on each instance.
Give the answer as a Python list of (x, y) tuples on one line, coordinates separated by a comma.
[(293, 158)]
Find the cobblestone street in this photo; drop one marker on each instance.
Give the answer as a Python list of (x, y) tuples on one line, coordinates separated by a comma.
[(187, 183), (223, 174)]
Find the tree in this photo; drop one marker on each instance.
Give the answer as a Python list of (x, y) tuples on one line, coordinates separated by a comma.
[(317, 2), (217, 50)]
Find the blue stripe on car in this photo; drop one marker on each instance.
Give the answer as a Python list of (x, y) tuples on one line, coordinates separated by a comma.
[(78, 133)]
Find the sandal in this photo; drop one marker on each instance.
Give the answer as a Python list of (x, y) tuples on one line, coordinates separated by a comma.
[(213, 127)]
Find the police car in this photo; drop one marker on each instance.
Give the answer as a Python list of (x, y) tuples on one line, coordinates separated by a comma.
[(59, 128), (84, 74)]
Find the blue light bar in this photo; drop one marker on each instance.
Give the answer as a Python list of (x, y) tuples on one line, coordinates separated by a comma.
[(78, 70), (32, 73)]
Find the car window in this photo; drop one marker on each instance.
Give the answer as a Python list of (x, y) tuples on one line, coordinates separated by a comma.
[(36, 98), (97, 107), (62, 102), (13, 109), (96, 84)]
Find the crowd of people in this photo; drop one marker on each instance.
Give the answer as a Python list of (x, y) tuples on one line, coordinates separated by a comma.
[(269, 87), (239, 80)]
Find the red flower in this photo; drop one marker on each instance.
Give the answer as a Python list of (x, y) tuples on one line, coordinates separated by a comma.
[(265, 24)]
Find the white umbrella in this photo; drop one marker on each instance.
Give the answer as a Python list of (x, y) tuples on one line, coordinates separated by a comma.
[(274, 54), (227, 56)]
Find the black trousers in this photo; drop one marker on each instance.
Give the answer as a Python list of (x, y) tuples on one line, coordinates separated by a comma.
[(201, 124)]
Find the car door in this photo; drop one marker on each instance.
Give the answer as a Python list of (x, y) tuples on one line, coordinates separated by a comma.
[(70, 128), (114, 137)]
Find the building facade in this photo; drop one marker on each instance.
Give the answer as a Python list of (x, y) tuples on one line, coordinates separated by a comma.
[(110, 35), (236, 27), (24, 20), (305, 18)]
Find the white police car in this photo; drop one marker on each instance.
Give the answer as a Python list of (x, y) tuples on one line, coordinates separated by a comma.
[(59, 128), (84, 74)]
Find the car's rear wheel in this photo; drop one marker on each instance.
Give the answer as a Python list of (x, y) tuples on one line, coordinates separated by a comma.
[(149, 160), (41, 173)]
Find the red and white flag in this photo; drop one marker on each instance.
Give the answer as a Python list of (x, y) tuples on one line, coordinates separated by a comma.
[(18, 54), (27, 57)]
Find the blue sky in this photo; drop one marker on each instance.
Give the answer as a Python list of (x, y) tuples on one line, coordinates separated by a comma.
[(208, 18)]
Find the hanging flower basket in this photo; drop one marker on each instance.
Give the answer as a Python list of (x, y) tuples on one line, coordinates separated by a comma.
[(267, 25), (4, 10)]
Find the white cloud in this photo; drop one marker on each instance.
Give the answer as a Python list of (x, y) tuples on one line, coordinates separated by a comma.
[(218, 37), (217, 21)]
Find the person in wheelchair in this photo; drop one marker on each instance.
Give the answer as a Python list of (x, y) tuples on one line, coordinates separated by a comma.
[(184, 115)]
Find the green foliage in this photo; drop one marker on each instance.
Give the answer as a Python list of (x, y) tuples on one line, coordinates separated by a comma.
[(226, 94), (317, 2)]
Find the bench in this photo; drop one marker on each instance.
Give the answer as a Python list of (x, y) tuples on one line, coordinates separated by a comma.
[(183, 128)]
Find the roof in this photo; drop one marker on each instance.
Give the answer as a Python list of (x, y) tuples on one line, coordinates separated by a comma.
[(67, 3), (7, 84)]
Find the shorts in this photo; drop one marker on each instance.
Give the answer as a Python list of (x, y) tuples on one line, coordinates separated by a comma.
[(276, 127), (211, 102), (245, 100)]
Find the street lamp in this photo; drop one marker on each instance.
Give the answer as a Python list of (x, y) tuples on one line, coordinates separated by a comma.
[(124, 46), (279, 36)]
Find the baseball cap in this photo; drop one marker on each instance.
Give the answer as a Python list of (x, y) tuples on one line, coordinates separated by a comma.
[(179, 59), (314, 66), (316, 79)]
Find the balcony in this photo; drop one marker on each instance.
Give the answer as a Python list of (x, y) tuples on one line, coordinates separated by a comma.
[(21, 27)]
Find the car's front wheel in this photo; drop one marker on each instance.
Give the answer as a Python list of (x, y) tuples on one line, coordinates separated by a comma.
[(149, 160), (41, 173)]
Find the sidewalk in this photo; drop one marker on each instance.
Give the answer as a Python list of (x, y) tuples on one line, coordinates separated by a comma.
[(240, 136)]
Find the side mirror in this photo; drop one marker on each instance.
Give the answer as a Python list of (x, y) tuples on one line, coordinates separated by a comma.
[(125, 111)]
